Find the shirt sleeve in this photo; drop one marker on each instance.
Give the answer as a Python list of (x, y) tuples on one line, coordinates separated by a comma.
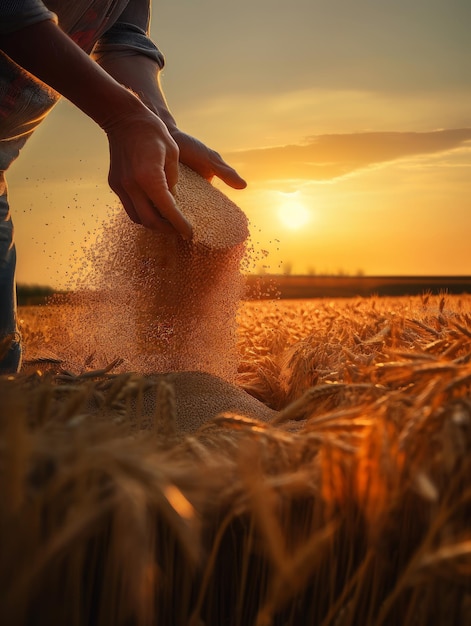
[(17, 14), (124, 39)]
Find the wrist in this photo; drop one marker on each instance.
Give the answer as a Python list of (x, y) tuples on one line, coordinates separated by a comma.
[(126, 107), (167, 118)]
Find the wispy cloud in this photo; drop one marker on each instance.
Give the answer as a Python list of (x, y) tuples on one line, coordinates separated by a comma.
[(325, 157)]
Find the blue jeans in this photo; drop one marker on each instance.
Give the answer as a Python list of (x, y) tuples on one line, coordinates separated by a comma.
[(12, 359), (23, 104)]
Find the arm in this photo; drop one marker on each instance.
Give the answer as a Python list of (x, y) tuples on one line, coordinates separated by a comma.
[(141, 73), (144, 157)]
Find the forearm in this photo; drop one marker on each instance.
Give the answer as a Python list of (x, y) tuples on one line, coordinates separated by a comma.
[(51, 56), (141, 74)]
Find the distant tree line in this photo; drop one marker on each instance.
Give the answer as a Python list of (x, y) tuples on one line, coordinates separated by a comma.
[(30, 295)]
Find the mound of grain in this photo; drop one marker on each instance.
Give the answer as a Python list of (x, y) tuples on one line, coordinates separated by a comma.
[(176, 402)]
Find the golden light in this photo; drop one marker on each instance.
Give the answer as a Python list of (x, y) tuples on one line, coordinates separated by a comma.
[(292, 212), (178, 501)]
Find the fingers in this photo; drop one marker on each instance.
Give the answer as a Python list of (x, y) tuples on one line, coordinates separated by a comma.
[(229, 175), (158, 212), (207, 162), (143, 169), (128, 205), (142, 181), (164, 204), (215, 166), (171, 170), (225, 172)]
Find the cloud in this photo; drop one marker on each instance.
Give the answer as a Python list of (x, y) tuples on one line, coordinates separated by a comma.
[(325, 157)]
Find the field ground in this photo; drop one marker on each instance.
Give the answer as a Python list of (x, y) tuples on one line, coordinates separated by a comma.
[(345, 500)]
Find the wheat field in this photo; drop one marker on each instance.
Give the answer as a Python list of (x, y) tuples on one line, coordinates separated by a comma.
[(346, 501)]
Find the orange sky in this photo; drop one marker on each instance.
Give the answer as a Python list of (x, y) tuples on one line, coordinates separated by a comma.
[(353, 118)]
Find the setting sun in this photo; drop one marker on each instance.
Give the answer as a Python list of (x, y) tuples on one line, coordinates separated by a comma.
[(292, 213)]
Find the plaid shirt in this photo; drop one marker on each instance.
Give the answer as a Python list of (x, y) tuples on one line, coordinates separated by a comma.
[(85, 21), (94, 25)]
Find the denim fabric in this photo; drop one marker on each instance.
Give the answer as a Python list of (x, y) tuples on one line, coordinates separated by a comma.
[(23, 105), (11, 361)]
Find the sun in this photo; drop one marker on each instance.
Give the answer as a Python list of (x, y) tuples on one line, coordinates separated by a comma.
[(293, 213)]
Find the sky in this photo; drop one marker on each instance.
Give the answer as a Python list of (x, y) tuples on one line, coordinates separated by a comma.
[(351, 122)]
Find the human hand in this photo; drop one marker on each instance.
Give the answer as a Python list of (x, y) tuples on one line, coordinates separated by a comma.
[(208, 163), (143, 170)]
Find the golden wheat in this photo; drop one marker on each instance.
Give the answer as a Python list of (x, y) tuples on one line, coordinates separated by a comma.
[(347, 502)]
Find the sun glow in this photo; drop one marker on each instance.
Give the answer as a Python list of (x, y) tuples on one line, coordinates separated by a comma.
[(293, 213)]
